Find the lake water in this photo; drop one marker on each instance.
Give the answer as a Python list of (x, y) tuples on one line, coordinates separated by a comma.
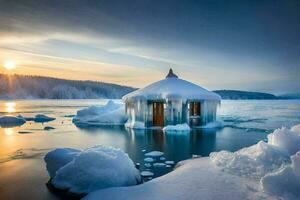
[(22, 170)]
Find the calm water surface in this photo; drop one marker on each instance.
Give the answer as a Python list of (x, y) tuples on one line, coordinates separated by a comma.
[(22, 170)]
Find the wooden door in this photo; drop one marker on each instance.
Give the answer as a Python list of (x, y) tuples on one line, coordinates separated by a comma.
[(195, 109), (158, 114)]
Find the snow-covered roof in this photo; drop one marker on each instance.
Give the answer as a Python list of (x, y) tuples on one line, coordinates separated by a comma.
[(172, 86)]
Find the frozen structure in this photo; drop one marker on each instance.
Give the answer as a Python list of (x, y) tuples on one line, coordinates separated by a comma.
[(171, 101)]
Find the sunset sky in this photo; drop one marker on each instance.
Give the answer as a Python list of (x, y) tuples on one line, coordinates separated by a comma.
[(246, 45)]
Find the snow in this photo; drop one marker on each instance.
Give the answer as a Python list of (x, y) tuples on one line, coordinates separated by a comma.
[(58, 158), (154, 154), (173, 87), (286, 181), (149, 160), (135, 124), (262, 171), (10, 121), (285, 139), (43, 118), (96, 168), (110, 114), (253, 162), (146, 173), (177, 128)]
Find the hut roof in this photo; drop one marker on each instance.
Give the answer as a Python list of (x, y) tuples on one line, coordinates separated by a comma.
[(172, 86)]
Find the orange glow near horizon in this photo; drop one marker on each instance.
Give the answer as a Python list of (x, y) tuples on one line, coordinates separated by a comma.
[(10, 107), (9, 64)]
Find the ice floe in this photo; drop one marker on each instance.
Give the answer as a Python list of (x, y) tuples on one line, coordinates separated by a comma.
[(43, 118), (11, 121), (154, 153), (159, 164), (146, 173), (110, 114), (96, 168), (148, 159), (177, 128)]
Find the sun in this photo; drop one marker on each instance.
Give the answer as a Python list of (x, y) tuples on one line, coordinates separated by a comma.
[(9, 64)]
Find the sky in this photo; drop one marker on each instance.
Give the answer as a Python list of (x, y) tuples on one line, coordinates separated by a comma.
[(245, 45)]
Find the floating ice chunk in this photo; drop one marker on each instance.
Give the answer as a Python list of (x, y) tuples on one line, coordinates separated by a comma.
[(135, 124), (144, 150), (168, 166), (162, 158), (43, 118), (58, 158), (110, 114), (11, 121), (148, 159), (148, 165), (286, 181), (159, 165), (285, 139), (177, 128), (252, 162), (146, 173), (170, 162), (97, 168), (154, 154)]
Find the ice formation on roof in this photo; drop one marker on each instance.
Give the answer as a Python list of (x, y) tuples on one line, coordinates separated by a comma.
[(172, 86)]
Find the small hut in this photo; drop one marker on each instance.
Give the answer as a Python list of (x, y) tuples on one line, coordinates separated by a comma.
[(171, 101)]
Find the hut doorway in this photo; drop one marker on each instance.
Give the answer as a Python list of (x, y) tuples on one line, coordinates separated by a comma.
[(195, 113), (158, 114)]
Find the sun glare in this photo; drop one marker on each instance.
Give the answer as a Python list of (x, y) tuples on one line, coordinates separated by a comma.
[(9, 65)]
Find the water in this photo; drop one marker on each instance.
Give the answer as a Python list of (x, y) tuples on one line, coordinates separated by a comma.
[(22, 170)]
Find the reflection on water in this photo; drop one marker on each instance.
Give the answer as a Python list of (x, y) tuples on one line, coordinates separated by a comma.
[(9, 131), (10, 107)]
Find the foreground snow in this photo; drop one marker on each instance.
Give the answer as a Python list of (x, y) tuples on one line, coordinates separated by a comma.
[(262, 171), (109, 114), (92, 169)]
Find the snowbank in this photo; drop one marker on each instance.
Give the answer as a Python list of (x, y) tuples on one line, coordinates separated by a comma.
[(177, 128), (286, 139), (252, 162), (109, 114), (58, 158), (286, 181), (96, 168), (10, 121), (135, 124)]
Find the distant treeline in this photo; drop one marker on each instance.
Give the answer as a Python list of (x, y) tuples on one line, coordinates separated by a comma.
[(236, 94), (37, 87)]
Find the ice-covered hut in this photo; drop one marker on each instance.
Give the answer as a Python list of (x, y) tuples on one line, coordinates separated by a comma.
[(171, 101)]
